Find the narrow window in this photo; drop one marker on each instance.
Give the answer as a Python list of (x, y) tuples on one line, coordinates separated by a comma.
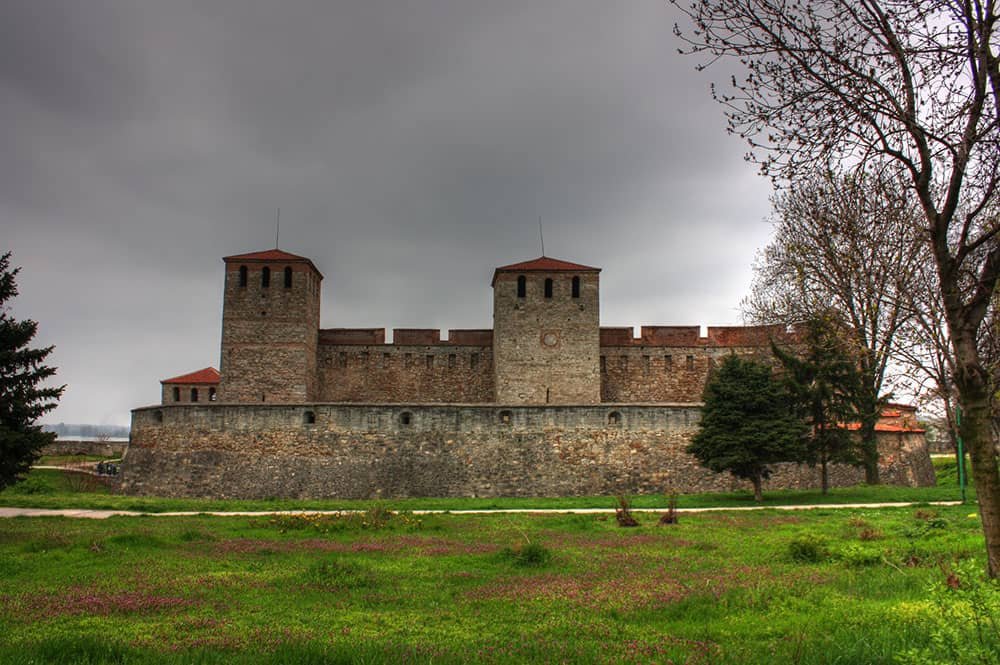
[(177, 394), (405, 418), (243, 276), (385, 360), (263, 397), (473, 361), (506, 417), (309, 418), (614, 418), (576, 287), (604, 364), (690, 362), (548, 288), (288, 277), (157, 416), (452, 360), (430, 362), (194, 394), (211, 394), (668, 363), (265, 277), (522, 286), (372, 421), (548, 394)]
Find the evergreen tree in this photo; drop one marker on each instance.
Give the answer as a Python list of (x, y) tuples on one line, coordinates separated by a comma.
[(747, 423), (22, 399), (823, 381)]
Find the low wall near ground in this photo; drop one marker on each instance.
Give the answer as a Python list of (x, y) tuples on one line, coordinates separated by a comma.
[(369, 451), (82, 447)]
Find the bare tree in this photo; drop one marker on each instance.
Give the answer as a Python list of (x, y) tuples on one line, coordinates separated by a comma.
[(904, 85), (843, 245)]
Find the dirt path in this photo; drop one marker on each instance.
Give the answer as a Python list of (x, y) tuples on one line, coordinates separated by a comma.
[(104, 514)]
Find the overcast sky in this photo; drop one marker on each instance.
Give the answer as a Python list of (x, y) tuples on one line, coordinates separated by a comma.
[(411, 147)]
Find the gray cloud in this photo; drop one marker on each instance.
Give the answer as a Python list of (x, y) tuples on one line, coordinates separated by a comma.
[(411, 147)]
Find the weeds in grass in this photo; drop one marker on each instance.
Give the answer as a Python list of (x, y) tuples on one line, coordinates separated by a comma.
[(965, 628), (373, 519), (338, 574), (871, 533), (528, 555), (808, 549), (623, 512)]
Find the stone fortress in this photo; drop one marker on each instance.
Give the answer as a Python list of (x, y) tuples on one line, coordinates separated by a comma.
[(545, 403)]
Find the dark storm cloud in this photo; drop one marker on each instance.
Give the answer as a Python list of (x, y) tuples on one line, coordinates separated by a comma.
[(412, 147)]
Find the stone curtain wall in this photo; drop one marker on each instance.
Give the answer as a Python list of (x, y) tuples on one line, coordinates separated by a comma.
[(369, 451), (398, 373)]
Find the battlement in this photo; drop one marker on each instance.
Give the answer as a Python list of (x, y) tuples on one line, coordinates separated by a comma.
[(690, 336), (404, 337)]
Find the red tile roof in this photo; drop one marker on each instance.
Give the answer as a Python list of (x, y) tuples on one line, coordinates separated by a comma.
[(543, 264), (206, 376), (885, 427), (276, 255)]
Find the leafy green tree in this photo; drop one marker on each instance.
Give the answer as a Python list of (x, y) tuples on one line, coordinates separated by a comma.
[(23, 399), (747, 423), (823, 380)]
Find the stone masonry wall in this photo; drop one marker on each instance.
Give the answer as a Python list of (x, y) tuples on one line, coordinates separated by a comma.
[(406, 373), (367, 451), (269, 334), (545, 350)]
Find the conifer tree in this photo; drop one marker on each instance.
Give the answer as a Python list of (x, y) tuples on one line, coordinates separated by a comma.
[(23, 399), (823, 381), (747, 423)]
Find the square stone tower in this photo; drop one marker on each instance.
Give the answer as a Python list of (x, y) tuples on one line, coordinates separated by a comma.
[(546, 333), (270, 328)]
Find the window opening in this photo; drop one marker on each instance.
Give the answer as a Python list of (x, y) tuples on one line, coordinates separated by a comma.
[(194, 394), (668, 362), (211, 394), (576, 287), (452, 360), (309, 418), (614, 418), (604, 364), (548, 287), (243, 276), (157, 416), (288, 277), (506, 417), (430, 362), (405, 418), (690, 362), (385, 360), (473, 361), (177, 394), (522, 286), (265, 277)]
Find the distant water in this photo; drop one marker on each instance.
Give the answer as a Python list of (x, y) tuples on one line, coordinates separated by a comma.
[(71, 437)]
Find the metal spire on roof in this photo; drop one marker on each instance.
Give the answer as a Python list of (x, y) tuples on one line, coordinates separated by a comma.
[(277, 228), (540, 236)]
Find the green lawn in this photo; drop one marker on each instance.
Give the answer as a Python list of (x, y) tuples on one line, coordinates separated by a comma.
[(824, 586), (53, 489)]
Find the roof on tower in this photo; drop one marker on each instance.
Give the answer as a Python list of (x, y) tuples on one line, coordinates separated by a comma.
[(543, 264), (271, 255), (209, 375)]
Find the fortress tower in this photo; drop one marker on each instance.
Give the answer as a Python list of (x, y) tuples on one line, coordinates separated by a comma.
[(546, 333), (270, 324)]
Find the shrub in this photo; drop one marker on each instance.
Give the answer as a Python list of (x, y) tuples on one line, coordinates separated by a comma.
[(529, 555), (671, 516), (623, 513), (808, 549), (870, 533)]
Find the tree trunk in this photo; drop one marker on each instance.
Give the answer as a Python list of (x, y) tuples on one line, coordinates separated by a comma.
[(758, 492), (824, 475), (977, 435), (869, 450)]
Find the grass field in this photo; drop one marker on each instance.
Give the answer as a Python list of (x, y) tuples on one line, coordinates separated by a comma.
[(843, 586), (897, 585)]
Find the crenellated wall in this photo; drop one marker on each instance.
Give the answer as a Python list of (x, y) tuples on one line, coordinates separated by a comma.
[(378, 450)]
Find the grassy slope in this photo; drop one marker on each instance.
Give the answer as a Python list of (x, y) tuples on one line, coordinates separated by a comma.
[(717, 588), (52, 489)]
